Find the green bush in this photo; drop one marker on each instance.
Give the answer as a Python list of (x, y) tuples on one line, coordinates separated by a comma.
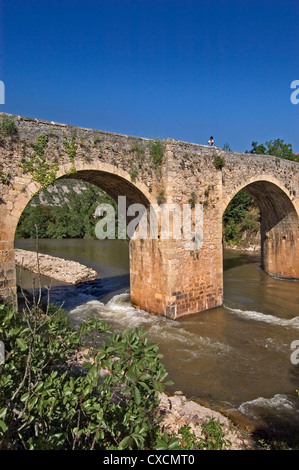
[(161, 198), (219, 162), (238, 218), (5, 178), (56, 395), (48, 402), (8, 127), (138, 149), (212, 438), (41, 171), (157, 153), (71, 218)]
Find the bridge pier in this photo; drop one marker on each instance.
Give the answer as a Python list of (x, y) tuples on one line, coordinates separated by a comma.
[(167, 279)]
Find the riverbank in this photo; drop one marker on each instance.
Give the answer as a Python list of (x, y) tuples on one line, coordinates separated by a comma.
[(177, 411), (70, 272)]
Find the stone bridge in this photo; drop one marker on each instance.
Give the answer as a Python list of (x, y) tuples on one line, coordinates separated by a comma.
[(166, 276)]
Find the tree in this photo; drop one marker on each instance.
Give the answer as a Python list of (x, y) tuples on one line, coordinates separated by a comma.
[(63, 214), (277, 148)]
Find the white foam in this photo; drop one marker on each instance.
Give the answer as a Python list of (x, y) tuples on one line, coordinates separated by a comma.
[(121, 314), (258, 316), (279, 404)]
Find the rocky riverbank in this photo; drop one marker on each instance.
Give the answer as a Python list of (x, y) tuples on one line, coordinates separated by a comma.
[(60, 269), (178, 411)]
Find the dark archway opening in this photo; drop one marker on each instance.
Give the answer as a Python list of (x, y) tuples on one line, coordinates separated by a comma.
[(62, 217)]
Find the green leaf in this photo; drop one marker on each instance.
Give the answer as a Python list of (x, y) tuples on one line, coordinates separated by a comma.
[(25, 396), (125, 442), (32, 402), (22, 344), (3, 425), (137, 396)]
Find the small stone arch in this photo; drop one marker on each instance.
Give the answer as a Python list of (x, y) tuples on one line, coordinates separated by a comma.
[(279, 225)]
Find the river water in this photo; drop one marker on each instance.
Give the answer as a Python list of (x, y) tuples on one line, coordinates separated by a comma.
[(235, 358)]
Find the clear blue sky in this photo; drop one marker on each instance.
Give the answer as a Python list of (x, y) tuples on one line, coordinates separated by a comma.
[(184, 69)]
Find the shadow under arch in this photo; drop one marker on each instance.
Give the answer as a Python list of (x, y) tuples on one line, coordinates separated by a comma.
[(113, 184), (279, 227)]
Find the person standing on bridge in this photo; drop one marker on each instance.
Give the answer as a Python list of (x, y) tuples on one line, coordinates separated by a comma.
[(211, 141)]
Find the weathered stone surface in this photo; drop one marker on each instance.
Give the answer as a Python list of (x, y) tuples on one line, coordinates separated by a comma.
[(167, 277)]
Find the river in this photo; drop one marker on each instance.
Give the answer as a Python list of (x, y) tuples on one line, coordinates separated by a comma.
[(235, 358)]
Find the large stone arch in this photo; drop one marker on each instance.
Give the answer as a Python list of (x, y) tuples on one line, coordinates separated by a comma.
[(279, 225), (116, 182)]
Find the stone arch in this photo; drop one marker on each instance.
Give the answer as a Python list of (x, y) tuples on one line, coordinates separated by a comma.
[(279, 225), (111, 179)]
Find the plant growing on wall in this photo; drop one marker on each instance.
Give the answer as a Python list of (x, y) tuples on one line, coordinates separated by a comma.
[(133, 173), (138, 149), (192, 200), (71, 149), (5, 178), (41, 171), (161, 198), (156, 153), (8, 127), (219, 162)]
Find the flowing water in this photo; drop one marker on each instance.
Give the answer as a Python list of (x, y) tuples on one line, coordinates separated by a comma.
[(235, 358)]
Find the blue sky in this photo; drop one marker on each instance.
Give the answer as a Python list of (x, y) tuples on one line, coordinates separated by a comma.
[(184, 69)]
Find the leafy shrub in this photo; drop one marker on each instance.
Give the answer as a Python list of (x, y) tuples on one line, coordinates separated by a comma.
[(5, 178), (48, 402), (70, 148), (41, 171), (157, 153), (219, 162), (238, 217), (161, 198), (133, 173), (192, 200), (212, 438), (138, 149), (8, 127), (72, 217)]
